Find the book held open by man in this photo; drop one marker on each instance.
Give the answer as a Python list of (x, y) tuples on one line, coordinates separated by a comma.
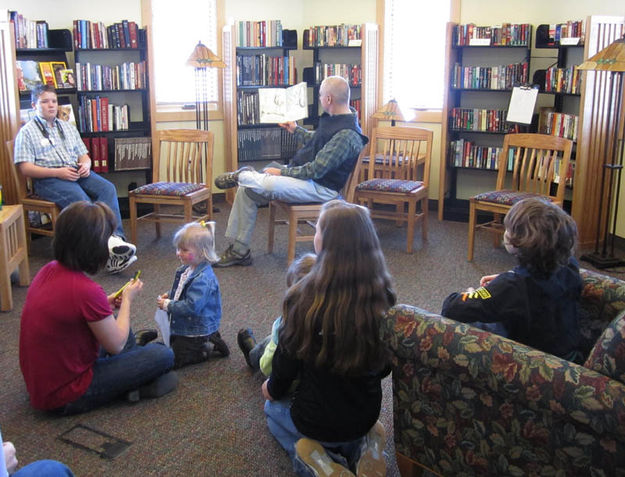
[(280, 105)]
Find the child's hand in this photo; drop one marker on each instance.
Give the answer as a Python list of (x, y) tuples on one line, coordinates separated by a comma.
[(266, 394), (160, 300), (485, 280)]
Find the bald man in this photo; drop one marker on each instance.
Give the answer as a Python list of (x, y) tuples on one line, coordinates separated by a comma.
[(317, 172)]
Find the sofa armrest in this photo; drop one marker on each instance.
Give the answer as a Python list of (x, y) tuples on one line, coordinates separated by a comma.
[(603, 297), (469, 402)]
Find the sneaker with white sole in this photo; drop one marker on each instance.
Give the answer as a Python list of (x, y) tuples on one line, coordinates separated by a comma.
[(314, 456), (116, 264), (371, 462)]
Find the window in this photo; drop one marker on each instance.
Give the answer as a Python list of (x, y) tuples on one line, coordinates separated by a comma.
[(414, 52), (176, 29)]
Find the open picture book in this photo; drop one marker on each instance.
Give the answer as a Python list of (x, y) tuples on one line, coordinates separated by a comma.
[(280, 105)]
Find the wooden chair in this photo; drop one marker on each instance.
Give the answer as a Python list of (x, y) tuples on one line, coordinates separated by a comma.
[(29, 199), (527, 167), (304, 215), (181, 176), (398, 178)]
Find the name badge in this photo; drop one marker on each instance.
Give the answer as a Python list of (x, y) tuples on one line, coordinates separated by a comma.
[(44, 142)]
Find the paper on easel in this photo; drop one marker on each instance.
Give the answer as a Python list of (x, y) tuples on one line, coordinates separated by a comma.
[(279, 105), (522, 103), (162, 321)]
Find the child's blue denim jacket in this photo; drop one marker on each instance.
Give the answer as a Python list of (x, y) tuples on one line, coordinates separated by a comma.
[(198, 310)]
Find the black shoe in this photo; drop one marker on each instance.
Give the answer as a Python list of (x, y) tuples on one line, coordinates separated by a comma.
[(219, 344), (246, 341), (143, 337), (160, 386), (230, 258), (227, 180)]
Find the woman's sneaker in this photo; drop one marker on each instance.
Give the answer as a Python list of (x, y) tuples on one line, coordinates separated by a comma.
[(316, 459), (371, 462), (122, 254)]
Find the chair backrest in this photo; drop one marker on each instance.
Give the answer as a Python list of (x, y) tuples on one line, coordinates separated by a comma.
[(400, 153), (352, 180), (532, 162), (184, 155), (21, 183)]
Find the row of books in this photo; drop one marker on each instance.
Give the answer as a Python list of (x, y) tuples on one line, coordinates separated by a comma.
[(29, 33), (265, 144), (477, 119), (357, 105), (489, 77), (99, 114), (259, 33), (98, 152), (94, 77), (570, 29), (248, 108), (332, 35), (31, 74), (133, 153), (563, 80), (506, 34), (264, 70), (464, 153), (352, 73), (559, 124), (94, 35)]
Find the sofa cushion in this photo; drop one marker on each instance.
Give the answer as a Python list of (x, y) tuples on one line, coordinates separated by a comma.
[(608, 355)]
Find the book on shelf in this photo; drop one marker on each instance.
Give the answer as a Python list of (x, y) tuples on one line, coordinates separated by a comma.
[(478, 120), (571, 32), (66, 113), (259, 34), (351, 73), (28, 33), (124, 76), (506, 34), (279, 105), (94, 35), (57, 69), (99, 114), (501, 77), (332, 36), (133, 153), (265, 144), (47, 74), (28, 76), (265, 70)]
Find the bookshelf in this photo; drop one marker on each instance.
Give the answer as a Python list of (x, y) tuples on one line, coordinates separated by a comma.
[(112, 94), (484, 64), (257, 55)]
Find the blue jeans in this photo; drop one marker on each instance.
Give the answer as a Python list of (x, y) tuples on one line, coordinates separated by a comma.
[(115, 375), (91, 188), (283, 429), (44, 468), (289, 189)]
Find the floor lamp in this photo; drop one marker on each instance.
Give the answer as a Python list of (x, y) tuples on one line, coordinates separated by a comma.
[(201, 60), (612, 61), (389, 112)]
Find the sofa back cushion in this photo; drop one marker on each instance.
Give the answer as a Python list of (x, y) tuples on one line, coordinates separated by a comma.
[(608, 355)]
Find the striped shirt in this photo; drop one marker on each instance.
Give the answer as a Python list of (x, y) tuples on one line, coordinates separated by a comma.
[(32, 146)]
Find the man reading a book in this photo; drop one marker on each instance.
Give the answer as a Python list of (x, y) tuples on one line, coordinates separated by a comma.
[(53, 155), (317, 172)]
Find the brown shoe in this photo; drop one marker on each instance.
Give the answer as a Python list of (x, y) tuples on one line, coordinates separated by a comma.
[(315, 457), (371, 462)]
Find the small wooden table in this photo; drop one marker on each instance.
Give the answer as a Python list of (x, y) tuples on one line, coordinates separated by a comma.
[(13, 252)]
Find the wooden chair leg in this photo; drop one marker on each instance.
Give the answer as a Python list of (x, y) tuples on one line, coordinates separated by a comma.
[(272, 227), (412, 211), (496, 235), (472, 213), (209, 207), (132, 205), (290, 254), (157, 224), (424, 225), (188, 211)]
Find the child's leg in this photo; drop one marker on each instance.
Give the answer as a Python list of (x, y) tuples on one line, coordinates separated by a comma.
[(281, 425), (190, 349)]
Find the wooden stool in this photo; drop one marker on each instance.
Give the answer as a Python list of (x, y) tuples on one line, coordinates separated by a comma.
[(13, 252)]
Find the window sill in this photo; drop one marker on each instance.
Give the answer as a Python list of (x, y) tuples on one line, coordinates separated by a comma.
[(426, 116), (173, 113)]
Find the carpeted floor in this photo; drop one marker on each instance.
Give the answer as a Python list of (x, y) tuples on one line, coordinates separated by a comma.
[(213, 424)]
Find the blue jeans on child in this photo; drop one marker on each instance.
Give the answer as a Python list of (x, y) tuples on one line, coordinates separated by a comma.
[(283, 429), (91, 188), (44, 468), (114, 375)]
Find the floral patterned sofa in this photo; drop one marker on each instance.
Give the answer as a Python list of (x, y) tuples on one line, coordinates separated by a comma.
[(468, 402)]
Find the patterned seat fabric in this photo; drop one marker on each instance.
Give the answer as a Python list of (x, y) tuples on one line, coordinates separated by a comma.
[(506, 197), (389, 185), (608, 355), (168, 188)]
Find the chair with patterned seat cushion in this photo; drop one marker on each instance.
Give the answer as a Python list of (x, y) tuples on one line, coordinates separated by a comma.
[(529, 165), (397, 181), (181, 176)]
